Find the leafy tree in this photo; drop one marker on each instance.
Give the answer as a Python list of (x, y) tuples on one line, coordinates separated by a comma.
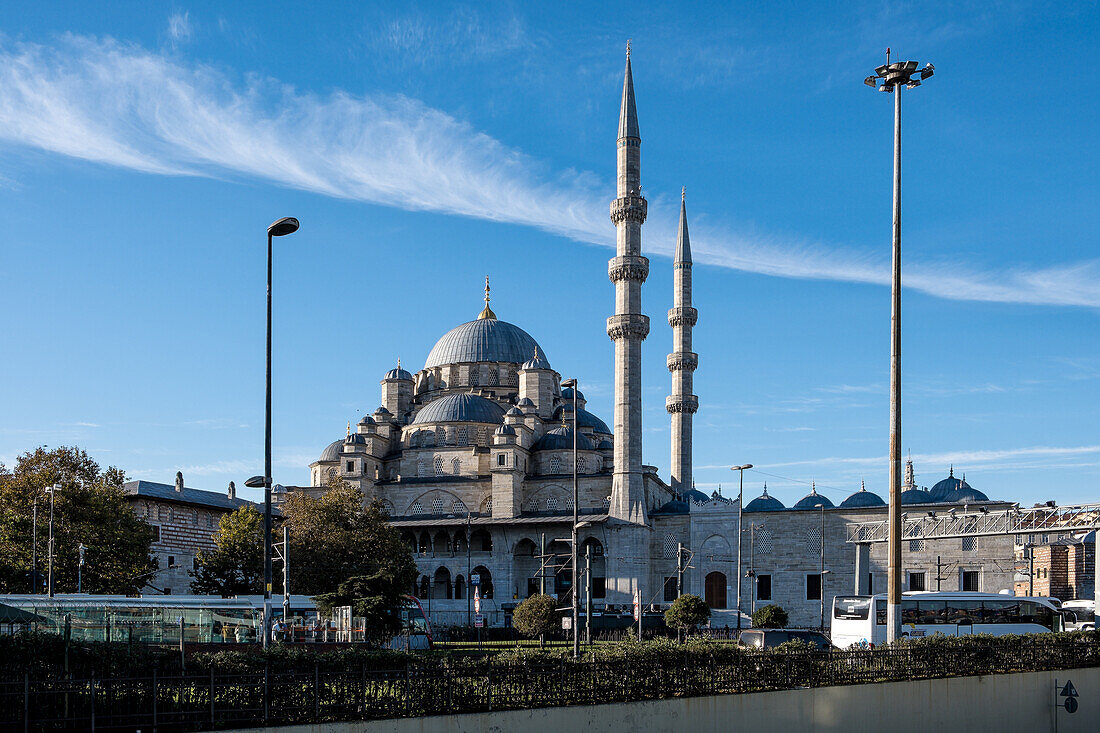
[(89, 507), (687, 612), (345, 553), (770, 616), (236, 564), (537, 616)]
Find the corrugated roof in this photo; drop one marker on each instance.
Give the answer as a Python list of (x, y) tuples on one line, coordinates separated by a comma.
[(196, 497)]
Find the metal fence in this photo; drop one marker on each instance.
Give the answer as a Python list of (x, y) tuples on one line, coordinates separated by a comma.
[(211, 700)]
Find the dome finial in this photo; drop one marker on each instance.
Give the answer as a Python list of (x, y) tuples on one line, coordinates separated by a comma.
[(349, 428), (488, 312), (683, 194), (628, 49), (399, 362), (951, 471), (765, 488), (862, 485)]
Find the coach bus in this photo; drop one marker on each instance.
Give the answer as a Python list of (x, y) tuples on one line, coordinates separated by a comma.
[(860, 620)]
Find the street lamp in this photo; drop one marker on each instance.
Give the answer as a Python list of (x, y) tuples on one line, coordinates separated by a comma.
[(49, 581), (740, 502), (891, 77), (572, 384), (279, 228)]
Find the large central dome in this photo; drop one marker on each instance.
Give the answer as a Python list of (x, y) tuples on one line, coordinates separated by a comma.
[(486, 339)]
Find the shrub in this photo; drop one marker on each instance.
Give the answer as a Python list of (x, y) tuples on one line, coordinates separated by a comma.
[(537, 616), (770, 616), (687, 612)]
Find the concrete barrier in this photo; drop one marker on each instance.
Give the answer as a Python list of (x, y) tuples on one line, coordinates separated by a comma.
[(1026, 702)]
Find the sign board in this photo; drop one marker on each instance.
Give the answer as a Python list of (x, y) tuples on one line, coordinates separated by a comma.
[(479, 621), (566, 623), (475, 579), (637, 606), (1070, 693), (477, 600)]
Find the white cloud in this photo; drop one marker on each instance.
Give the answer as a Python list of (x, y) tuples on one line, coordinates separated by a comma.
[(957, 458), (179, 26), (118, 104)]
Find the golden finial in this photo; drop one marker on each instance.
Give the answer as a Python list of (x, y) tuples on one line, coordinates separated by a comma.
[(628, 49), (488, 312), (349, 428), (399, 362)]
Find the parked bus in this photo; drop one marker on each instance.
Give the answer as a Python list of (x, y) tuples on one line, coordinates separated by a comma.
[(952, 614), (1079, 615)]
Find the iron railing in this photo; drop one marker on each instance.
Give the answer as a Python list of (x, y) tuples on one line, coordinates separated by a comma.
[(211, 700)]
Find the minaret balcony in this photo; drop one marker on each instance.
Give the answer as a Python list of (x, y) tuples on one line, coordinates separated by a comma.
[(628, 325), (683, 316), (682, 360), (682, 403), (628, 267), (628, 208)]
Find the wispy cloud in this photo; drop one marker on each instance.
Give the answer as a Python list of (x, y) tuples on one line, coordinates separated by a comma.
[(956, 458), (118, 104), (179, 27)]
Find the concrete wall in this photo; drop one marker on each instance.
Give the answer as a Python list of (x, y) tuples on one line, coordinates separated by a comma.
[(1003, 703)]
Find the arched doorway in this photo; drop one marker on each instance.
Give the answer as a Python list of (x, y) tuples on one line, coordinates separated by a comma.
[(460, 587), (442, 583), (526, 568), (485, 581), (425, 587), (714, 588)]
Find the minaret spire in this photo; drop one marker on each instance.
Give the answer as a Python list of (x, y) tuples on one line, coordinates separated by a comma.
[(487, 312), (682, 362)]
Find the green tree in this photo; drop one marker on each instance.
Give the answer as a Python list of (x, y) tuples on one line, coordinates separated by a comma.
[(687, 612), (236, 564), (770, 616), (90, 508), (345, 553), (537, 616)]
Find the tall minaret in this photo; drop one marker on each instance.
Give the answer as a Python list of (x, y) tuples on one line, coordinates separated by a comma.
[(682, 404), (628, 327)]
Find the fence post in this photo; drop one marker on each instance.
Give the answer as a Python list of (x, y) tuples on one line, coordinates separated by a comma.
[(154, 700), (408, 689), (316, 692), (490, 686), (26, 702), (266, 695), (211, 697), (91, 689)]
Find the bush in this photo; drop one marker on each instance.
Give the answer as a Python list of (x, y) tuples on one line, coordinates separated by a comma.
[(770, 616), (537, 616), (687, 612)]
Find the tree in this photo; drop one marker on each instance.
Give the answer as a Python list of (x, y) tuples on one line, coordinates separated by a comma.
[(236, 564), (537, 616), (770, 616), (345, 553), (90, 508), (687, 612)]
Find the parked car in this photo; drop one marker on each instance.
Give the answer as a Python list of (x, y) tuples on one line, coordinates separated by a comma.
[(768, 638)]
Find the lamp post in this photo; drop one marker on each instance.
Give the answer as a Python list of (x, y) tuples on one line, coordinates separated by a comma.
[(279, 228), (49, 576), (891, 77), (572, 383), (34, 546), (740, 502), (80, 568)]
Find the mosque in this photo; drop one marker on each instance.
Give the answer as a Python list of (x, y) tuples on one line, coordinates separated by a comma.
[(472, 457)]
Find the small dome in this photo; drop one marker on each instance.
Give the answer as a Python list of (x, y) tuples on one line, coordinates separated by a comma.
[(483, 340), (567, 395), (813, 500), (584, 418), (916, 496), (968, 495), (332, 451), (525, 402), (399, 373), (861, 499), (537, 361), (695, 495), (953, 490), (605, 444), (764, 503), (382, 411), (367, 420), (355, 439), (505, 430), (460, 408), (562, 439), (514, 412)]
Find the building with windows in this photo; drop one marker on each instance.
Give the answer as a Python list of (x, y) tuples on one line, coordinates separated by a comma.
[(184, 521)]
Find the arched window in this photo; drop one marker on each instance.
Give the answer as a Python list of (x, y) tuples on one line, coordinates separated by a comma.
[(416, 508), (456, 466), (421, 469), (485, 580), (437, 506), (460, 588), (481, 541), (439, 465), (551, 503), (440, 436), (475, 376), (463, 435), (494, 376), (457, 507), (714, 588), (555, 465)]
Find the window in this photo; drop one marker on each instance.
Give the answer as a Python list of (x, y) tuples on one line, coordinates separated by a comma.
[(763, 540), (456, 466), (813, 540), (416, 508), (555, 465), (438, 465), (156, 532), (969, 544), (670, 546), (351, 466), (916, 581), (670, 590), (916, 545), (813, 587), (437, 506), (463, 435), (763, 587), (502, 459), (171, 561), (970, 580), (167, 591), (551, 504), (421, 469)]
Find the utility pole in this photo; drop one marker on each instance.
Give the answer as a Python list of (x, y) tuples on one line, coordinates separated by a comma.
[(49, 577), (542, 564), (821, 585), (740, 503), (893, 76), (588, 595), (939, 572), (752, 565), (1031, 568), (679, 569), (34, 546)]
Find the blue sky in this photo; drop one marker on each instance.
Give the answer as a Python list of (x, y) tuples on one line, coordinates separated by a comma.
[(144, 148)]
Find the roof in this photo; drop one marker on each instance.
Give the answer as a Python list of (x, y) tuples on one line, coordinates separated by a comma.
[(813, 500), (562, 439), (916, 496), (399, 373), (485, 340), (460, 408), (628, 111), (955, 490), (195, 497), (584, 418), (862, 498), (683, 244), (537, 361), (458, 521), (567, 395), (764, 503), (332, 451)]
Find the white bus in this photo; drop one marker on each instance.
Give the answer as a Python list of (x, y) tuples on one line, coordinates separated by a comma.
[(861, 620), (1079, 615)]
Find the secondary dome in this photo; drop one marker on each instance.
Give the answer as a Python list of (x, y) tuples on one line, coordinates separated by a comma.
[(862, 498), (399, 373), (813, 500), (332, 451), (584, 418), (954, 490), (764, 503), (460, 408), (916, 496), (562, 439), (486, 339)]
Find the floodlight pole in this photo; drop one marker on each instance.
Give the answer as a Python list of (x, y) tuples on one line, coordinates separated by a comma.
[(49, 578), (575, 599), (893, 77), (740, 502)]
